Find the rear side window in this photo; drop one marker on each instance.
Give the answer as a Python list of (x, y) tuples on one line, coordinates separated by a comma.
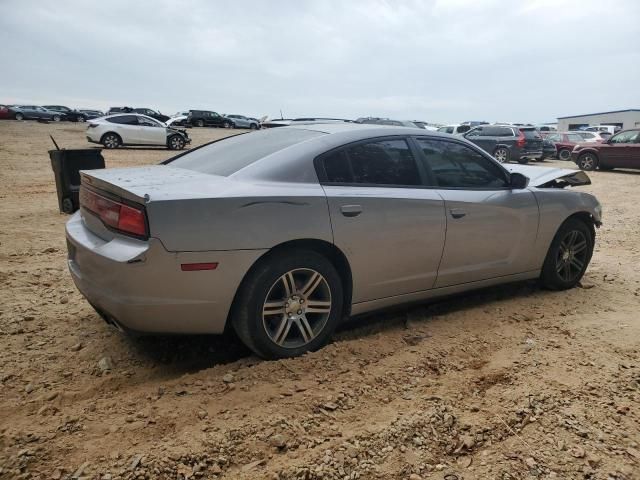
[(383, 162), (457, 166), (225, 157), (574, 137), (530, 133), (124, 119)]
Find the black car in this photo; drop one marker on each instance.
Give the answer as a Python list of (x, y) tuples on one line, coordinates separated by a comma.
[(114, 110), (69, 114), (152, 113), (508, 142), (549, 149), (90, 114), (207, 118)]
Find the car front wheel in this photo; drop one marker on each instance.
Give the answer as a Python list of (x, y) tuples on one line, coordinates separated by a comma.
[(176, 142), (253, 126), (587, 161), (568, 256), (56, 118), (289, 304), (227, 125), (502, 154), (199, 123)]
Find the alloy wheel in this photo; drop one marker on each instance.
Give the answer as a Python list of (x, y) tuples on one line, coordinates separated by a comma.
[(177, 143), (571, 257), (501, 155), (587, 162), (111, 141), (297, 308)]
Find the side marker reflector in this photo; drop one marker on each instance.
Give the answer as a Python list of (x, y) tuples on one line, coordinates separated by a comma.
[(193, 267)]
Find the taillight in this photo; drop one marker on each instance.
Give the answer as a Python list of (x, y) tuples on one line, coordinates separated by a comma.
[(124, 218), (521, 140)]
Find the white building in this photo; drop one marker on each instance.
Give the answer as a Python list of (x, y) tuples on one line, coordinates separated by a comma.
[(622, 118)]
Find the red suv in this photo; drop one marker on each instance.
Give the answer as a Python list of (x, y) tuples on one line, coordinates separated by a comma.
[(620, 151), (564, 142)]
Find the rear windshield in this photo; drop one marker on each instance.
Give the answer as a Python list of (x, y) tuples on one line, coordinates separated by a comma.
[(530, 133), (227, 156)]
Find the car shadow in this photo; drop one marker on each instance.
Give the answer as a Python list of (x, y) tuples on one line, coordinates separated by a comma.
[(618, 171), (190, 353)]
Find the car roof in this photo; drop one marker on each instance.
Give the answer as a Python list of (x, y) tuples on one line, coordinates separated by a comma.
[(365, 128)]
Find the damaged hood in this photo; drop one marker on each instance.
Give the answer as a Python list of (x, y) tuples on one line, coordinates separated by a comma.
[(545, 177)]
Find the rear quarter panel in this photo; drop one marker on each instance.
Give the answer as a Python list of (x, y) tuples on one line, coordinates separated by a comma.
[(248, 216)]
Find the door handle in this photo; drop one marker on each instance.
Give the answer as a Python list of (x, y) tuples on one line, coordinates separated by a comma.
[(351, 210), (457, 212)]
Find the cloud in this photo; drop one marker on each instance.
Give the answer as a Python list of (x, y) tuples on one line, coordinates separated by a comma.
[(440, 61)]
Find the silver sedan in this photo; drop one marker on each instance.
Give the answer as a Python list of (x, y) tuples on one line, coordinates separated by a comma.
[(282, 233)]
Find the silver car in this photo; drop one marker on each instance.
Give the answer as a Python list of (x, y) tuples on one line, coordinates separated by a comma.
[(240, 121), (282, 233)]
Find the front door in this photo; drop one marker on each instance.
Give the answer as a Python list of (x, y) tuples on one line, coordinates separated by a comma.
[(490, 228), (384, 219), (622, 150), (150, 132)]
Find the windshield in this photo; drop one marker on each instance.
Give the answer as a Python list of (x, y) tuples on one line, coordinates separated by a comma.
[(225, 157)]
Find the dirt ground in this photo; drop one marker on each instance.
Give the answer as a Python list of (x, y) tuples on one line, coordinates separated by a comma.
[(506, 383)]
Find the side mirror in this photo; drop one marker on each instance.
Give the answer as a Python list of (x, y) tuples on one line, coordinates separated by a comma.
[(518, 181)]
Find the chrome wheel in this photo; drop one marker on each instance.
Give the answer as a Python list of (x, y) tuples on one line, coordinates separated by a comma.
[(572, 254), (81, 119), (56, 118), (501, 154), (296, 308), (19, 116)]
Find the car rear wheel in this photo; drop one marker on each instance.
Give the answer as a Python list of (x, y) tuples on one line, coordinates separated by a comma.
[(288, 305), (199, 123), (81, 119), (503, 155), (564, 154), (227, 124), (56, 118), (568, 256), (587, 161), (111, 140), (176, 142), (19, 116)]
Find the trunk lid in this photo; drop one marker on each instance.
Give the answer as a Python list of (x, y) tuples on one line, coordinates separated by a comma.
[(532, 139), (154, 182)]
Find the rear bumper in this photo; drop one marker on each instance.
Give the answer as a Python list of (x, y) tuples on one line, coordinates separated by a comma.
[(140, 286), (535, 154)]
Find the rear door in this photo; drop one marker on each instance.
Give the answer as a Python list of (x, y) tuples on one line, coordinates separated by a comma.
[(491, 229), (385, 218)]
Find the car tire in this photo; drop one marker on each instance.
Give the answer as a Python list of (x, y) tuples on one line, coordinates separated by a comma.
[(564, 154), (67, 206), (111, 140), (19, 116), (587, 161), (55, 118), (253, 126), (523, 160), (176, 142), (568, 256), (502, 154), (80, 119), (226, 124), (199, 123), (271, 310)]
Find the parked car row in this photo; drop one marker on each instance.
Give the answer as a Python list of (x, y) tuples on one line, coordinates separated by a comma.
[(55, 113), (622, 150)]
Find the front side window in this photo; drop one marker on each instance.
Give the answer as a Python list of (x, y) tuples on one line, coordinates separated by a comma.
[(387, 162), (457, 166), (624, 137), (147, 122)]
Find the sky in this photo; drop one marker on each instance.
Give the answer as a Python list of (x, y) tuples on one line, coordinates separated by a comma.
[(441, 61)]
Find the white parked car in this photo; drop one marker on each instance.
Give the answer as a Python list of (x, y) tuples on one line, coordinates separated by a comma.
[(455, 129), (604, 128), (133, 129), (592, 137)]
